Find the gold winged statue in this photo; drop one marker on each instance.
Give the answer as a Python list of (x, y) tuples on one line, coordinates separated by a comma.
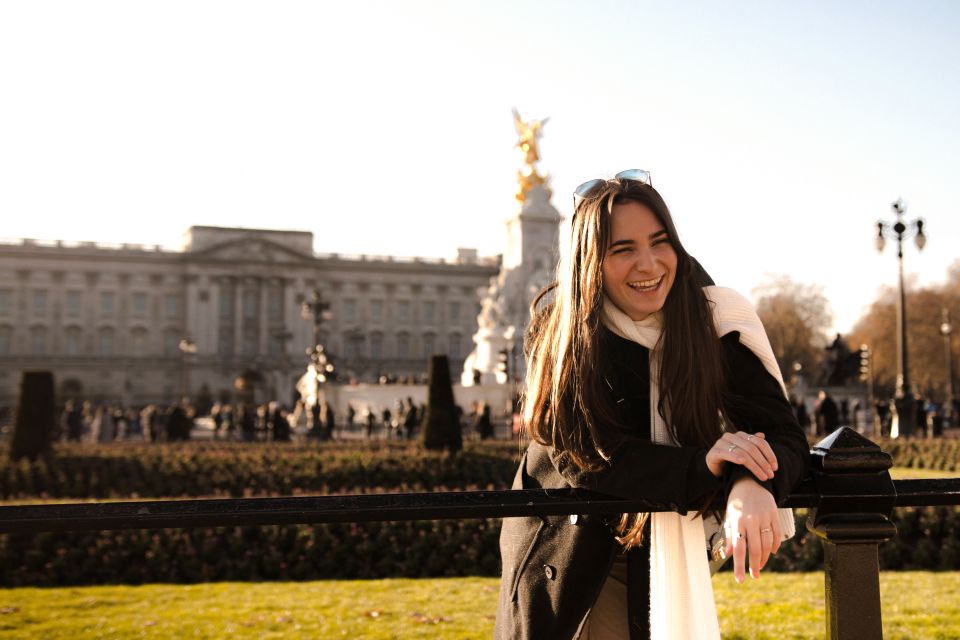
[(529, 144)]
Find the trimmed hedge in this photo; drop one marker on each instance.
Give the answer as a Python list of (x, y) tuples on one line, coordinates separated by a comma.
[(928, 538), (139, 470)]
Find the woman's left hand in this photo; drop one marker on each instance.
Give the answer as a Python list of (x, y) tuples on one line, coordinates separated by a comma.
[(752, 526)]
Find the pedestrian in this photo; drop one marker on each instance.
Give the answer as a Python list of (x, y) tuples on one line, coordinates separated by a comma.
[(387, 421), (74, 421), (411, 418), (248, 422), (103, 425), (351, 417), (369, 418), (630, 368), (279, 424), (329, 419), (216, 413), (483, 425), (826, 415)]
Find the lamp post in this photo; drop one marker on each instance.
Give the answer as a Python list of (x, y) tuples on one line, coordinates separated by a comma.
[(946, 329), (318, 311), (903, 395)]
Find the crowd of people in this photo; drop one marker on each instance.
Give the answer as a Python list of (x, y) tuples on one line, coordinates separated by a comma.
[(827, 414), (250, 422)]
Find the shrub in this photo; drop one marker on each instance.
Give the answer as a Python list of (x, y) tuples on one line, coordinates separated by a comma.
[(441, 425), (35, 416)]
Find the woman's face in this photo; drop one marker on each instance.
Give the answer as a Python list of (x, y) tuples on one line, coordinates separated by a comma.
[(639, 265)]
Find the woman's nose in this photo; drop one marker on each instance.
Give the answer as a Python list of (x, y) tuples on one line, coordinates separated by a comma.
[(644, 260)]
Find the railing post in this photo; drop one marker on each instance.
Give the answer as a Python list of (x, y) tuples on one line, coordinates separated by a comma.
[(852, 519)]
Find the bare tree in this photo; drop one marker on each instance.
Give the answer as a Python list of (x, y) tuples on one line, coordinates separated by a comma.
[(878, 329), (797, 317)]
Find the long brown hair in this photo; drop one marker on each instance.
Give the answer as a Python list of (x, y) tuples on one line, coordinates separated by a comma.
[(568, 404)]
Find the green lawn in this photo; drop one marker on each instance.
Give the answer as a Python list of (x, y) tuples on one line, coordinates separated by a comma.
[(915, 605)]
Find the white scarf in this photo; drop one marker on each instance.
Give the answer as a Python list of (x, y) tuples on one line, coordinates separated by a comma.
[(681, 594)]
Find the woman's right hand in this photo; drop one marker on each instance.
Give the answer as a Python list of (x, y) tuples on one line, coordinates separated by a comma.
[(750, 450)]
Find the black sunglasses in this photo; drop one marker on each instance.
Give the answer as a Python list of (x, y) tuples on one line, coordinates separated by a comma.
[(589, 189)]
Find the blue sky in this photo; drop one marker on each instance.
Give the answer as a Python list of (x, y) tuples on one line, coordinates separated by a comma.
[(777, 132)]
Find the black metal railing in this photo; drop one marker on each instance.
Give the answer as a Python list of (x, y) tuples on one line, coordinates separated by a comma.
[(849, 494)]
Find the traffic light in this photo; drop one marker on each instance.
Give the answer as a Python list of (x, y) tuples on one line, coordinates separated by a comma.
[(864, 362)]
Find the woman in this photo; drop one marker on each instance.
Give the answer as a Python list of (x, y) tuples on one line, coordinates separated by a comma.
[(644, 381)]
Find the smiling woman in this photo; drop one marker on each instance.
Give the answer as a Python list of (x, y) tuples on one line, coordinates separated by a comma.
[(644, 381)]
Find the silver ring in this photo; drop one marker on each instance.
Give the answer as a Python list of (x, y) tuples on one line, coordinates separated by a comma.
[(731, 447), (767, 530), (750, 437)]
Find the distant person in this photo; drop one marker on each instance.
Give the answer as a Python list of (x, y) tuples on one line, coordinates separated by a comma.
[(387, 421), (179, 423), (248, 423), (74, 421), (883, 418), (369, 419), (410, 419), (104, 428), (279, 424), (826, 414), (328, 419), (351, 417), (483, 425)]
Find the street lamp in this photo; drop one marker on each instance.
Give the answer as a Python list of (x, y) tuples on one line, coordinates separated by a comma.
[(316, 310), (901, 229), (946, 329)]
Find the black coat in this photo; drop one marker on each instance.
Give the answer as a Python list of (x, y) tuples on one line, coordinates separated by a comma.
[(554, 566)]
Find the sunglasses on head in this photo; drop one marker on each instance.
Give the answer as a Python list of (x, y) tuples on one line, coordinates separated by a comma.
[(591, 188)]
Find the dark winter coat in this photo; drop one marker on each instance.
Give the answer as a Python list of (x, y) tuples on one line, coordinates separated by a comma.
[(554, 566)]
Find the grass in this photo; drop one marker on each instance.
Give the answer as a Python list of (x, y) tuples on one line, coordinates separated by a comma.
[(915, 605)]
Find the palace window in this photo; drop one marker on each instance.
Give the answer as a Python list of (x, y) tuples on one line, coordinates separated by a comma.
[(138, 303), (171, 304), (6, 301), (38, 341), (39, 302), (73, 303), (6, 340), (106, 302), (72, 339), (105, 339)]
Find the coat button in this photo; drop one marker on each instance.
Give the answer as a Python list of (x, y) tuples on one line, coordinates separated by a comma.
[(549, 571)]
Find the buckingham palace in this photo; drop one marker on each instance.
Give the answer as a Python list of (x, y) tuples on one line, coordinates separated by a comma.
[(136, 324)]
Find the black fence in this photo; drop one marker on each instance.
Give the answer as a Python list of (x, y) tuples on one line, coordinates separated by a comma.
[(849, 494)]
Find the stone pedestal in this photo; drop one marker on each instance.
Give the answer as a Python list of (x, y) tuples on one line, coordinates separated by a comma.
[(529, 264)]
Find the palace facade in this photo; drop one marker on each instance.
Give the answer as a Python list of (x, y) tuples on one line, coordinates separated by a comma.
[(137, 324)]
